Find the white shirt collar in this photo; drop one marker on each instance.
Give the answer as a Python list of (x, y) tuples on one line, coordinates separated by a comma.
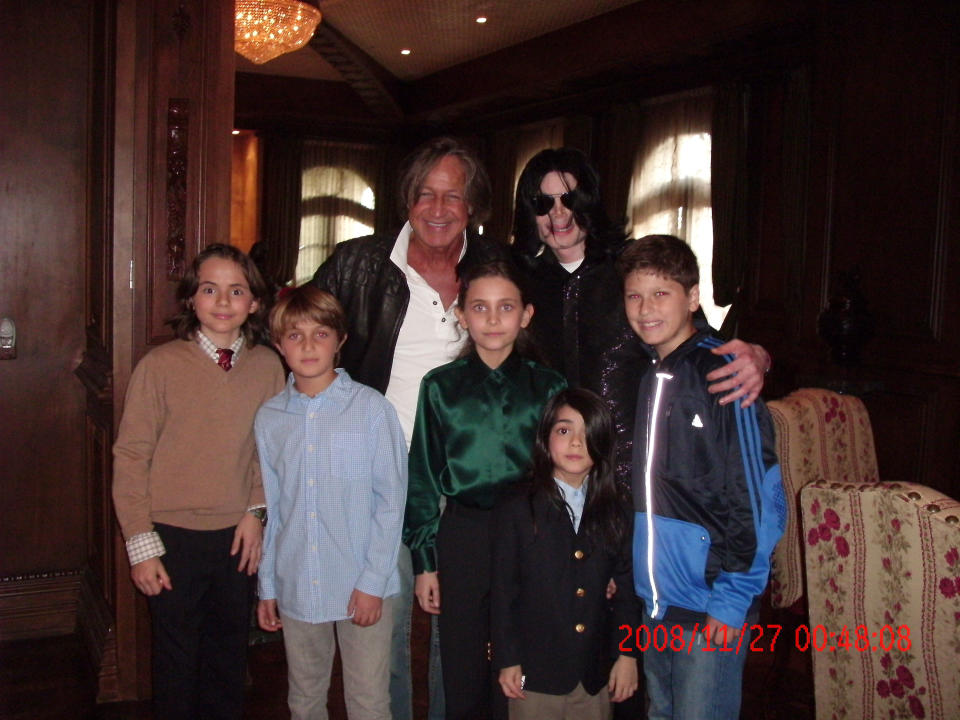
[(210, 348), (398, 256), (575, 498)]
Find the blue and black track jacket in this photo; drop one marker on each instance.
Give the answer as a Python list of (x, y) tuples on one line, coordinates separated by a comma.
[(707, 492)]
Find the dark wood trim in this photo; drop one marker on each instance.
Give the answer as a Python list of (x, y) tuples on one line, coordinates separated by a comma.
[(96, 375), (61, 603), (610, 49), (318, 108), (97, 629), (39, 604)]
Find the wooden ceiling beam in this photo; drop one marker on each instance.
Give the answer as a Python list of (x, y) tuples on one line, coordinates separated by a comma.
[(378, 89)]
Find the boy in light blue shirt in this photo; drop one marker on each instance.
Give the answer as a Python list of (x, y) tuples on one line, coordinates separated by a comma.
[(335, 478)]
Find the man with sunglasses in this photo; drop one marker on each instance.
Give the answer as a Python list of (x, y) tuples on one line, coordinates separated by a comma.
[(566, 247)]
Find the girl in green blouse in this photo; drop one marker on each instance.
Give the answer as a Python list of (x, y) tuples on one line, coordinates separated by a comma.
[(475, 427)]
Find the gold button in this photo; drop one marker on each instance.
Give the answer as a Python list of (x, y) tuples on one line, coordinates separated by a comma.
[(578, 554), (580, 627), (581, 592)]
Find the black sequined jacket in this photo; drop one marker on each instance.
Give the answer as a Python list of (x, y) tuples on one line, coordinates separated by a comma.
[(581, 330)]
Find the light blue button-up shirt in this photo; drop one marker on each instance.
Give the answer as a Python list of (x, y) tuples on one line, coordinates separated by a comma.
[(335, 479), (575, 499)]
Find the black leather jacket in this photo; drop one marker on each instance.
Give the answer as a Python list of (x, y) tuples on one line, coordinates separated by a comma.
[(374, 295)]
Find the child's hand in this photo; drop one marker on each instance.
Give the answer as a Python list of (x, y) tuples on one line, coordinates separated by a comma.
[(743, 375), (511, 680), (267, 616), (717, 634), (611, 588), (364, 609), (248, 538), (427, 590), (623, 678), (150, 576)]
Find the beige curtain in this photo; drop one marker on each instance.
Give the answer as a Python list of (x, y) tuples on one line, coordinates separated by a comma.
[(670, 187), (338, 198)]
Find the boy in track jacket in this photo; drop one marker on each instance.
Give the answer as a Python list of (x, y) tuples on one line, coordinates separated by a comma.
[(707, 495)]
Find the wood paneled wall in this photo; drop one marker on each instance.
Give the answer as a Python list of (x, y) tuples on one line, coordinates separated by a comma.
[(44, 166), (115, 158), (880, 198)]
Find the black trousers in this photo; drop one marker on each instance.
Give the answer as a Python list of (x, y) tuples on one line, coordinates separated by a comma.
[(464, 564), (200, 627)]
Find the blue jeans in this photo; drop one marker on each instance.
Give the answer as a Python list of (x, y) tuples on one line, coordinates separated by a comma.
[(702, 684), (401, 686)]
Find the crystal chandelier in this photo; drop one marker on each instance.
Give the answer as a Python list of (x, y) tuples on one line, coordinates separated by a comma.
[(266, 29)]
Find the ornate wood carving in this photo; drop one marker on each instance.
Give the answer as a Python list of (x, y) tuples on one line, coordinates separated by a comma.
[(178, 125), (181, 21), (96, 374)]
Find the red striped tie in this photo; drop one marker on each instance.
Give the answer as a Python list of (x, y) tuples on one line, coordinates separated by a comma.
[(224, 360)]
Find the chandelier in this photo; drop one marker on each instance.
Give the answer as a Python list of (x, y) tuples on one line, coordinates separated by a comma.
[(266, 29)]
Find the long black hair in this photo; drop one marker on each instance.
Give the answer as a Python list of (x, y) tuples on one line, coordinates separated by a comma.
[(605, 518), (587, 208)]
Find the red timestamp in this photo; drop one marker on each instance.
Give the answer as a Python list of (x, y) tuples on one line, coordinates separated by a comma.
[(678, 638), (762, 638), (856, 639)]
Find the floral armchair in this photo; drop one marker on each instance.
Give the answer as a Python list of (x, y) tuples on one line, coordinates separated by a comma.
[(821, 435), (883, 576)]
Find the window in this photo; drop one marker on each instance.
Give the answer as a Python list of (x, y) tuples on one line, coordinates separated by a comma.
[(670, 190), (338, 199)]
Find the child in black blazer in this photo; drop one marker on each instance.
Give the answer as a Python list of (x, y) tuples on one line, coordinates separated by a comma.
[(559, 540)]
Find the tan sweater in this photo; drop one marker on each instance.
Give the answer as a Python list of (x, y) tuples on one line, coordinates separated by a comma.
[(185, 453)]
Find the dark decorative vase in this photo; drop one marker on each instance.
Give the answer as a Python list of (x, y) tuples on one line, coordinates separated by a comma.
[(846, 325)]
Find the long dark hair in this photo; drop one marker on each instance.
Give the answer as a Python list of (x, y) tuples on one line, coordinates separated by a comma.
[(605, 512), (587, 210), (185, 322), (524, 345)]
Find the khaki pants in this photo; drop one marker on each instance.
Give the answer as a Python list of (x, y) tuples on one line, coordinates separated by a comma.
[(364, 652), (577, 705)]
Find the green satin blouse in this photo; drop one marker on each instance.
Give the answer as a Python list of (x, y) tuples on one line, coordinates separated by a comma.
[(474, 433)]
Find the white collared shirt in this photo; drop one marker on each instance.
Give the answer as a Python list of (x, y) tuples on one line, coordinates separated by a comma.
[(575, 499), (210, 347), (429, 337)]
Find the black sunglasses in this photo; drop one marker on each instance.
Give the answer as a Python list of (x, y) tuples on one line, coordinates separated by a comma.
[(542, 204)]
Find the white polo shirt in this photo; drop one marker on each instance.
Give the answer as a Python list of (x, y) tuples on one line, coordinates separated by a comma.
[(429, 337)]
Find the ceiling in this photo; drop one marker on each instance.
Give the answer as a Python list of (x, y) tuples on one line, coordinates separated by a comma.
[(438, 33)]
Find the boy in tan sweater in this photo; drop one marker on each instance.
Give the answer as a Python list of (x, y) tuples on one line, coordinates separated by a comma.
[(187, 487)]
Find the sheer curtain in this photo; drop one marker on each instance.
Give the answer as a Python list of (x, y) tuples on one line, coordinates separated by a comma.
[(670, 189), (338, 199)]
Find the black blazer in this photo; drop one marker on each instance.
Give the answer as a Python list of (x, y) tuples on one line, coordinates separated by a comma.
[(549, 609)]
